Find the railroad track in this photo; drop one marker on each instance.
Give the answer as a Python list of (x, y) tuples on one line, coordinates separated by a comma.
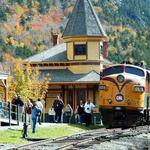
[(83, 140)]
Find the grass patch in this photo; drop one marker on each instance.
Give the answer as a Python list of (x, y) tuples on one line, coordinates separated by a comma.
[(11, 137), (52, 131), (55, 131)]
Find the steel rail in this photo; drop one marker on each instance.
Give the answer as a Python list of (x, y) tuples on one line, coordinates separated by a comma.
[(79, 139)]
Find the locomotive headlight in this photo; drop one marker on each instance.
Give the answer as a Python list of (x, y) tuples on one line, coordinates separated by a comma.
[(138, 88), (103, 87), (120, 78), (109, 101)]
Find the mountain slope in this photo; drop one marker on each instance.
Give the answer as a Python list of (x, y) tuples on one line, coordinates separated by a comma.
[(25, 26)]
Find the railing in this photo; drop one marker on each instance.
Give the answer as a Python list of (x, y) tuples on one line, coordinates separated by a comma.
[(11, 112)]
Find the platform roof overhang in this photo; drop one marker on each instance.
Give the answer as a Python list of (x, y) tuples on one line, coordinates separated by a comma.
[(65, 76), (3, 76)]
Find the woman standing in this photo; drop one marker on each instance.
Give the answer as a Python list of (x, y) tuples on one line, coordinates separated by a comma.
[(28, 111), (68, 113)]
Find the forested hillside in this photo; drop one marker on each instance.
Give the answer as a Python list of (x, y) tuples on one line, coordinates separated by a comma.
[(25, 26)]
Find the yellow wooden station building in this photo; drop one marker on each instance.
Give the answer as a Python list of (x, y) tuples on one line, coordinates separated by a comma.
[(74, 66)]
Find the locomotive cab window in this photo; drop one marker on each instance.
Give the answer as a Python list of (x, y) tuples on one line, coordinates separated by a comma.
[(113, 70), (135, 71), (80, 49)]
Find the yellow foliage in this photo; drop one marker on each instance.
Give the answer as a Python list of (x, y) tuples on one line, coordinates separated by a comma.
[(113, 50), (21, 45), (24, 80), (41, 47), (122, 29), (11, 41), (8, 58), (18, 29), (143, 38), (112, 38), (98, 9), (27, 40), (112, 5), (130, 48), (6, 40), (19, 10)]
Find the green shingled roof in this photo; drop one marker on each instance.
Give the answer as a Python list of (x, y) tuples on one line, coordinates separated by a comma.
[(57, 53), (65, 75), (83, 21)]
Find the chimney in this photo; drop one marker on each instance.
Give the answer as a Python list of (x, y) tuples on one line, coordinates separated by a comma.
[(105, 52), (55, 37)]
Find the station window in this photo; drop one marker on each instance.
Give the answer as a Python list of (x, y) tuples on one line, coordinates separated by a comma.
[(80, 49)]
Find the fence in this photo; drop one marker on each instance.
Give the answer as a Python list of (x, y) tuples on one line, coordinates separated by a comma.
[(11, 112)]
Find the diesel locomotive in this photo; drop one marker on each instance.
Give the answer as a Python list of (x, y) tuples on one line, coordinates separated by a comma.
[(124, 95)]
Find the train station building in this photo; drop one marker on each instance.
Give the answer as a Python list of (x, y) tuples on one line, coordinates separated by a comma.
[(74, 66)]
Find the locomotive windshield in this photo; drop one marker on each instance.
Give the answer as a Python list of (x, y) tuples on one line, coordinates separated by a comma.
[(113, 70), (135, 71)]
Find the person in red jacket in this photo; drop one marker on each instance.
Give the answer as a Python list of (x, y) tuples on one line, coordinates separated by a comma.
[(28, 111)]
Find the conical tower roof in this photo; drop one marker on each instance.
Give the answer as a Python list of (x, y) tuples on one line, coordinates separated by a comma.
[(83, 21)]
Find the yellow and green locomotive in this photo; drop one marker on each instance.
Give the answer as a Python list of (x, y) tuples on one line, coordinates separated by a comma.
[(124, 95)]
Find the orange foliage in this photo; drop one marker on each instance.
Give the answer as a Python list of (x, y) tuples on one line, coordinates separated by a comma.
[(56, 15), (6, 27), (16, 17), (46, 19), (25, 8), (57, 18), (8, 58)]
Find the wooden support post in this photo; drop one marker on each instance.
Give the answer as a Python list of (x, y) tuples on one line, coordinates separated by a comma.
[(9, 113)]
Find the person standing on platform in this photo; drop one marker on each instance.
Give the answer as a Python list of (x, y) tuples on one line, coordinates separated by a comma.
[(40, 106), (19, 103), (13, 108), (51, 113), (68, 113), (88, 108), (35, 112), (28, 111), (58, 107), (81, 112)]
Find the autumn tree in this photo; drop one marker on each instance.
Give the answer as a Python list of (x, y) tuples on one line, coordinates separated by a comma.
[(37, 84), (25, 80)]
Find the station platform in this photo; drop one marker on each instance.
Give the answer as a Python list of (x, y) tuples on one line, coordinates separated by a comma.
[(6, 121)]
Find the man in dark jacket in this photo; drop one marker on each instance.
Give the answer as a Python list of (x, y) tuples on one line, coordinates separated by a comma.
[(81, 112), (19, 103), (58, 106)]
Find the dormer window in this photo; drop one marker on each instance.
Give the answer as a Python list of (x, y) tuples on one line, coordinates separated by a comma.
[(80, 49)]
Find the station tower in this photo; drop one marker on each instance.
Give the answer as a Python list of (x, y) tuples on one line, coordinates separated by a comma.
[(74, 66)]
